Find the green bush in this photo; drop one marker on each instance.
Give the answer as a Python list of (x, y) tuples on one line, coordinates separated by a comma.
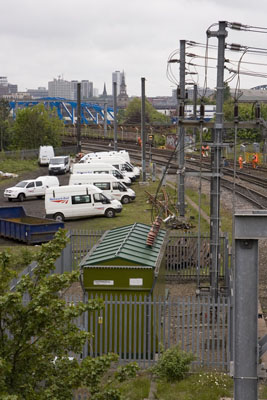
[(173, 364)]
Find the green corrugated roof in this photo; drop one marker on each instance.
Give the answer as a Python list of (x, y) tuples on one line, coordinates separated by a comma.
[(126, 243)]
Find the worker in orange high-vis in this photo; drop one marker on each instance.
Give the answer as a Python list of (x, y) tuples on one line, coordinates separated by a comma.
[(240, 160), (255, 160)]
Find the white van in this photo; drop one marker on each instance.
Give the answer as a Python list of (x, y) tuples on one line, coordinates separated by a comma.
[(120, 153), (45, 154), (59, 165), (30, 188), (126, 168), (100, 168), (106, 182), (78, 201)]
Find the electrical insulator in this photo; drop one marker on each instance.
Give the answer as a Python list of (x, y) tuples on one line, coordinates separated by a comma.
[(236, 113), (236, 25), (181, 111), (257, 111), (202, 111), (235, 47)]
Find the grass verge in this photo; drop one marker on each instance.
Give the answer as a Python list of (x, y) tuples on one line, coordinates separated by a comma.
[(200, 386), (135, 389), (140, 210), (16, 167)]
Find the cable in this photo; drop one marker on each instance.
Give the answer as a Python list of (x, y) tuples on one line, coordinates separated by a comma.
[(237, 88)]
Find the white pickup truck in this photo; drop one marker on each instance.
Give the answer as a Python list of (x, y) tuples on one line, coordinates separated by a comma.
[(30, 188)]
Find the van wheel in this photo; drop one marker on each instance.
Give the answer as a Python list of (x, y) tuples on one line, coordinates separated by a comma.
[(58, 217), (21, 197), (110, 213), (9, 199), (40, 197), (125, 200)]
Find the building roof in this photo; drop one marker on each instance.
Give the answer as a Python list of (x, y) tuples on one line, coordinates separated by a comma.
[(127, 243)]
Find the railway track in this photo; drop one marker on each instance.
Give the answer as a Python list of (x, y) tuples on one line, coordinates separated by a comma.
[(248, 181)]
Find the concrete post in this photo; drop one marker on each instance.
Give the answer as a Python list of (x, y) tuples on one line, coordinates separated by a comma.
[(143, 129), (115, 116), (78, 124), (105, 119)]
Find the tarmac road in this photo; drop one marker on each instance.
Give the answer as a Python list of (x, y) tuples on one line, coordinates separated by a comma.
[(33, 207)]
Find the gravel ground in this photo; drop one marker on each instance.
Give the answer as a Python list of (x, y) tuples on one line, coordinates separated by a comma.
[(241, 204)]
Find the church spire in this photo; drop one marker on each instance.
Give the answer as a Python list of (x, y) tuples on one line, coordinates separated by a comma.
[(105, 90)]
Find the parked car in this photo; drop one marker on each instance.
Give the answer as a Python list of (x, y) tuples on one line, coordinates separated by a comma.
[(120, 163), (78, 201), (106, 182), (45, 154), (30, 188), (100, 168), (59, 165)]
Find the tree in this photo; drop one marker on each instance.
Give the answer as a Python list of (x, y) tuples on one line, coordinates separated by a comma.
[(36, 126), (246, 113), (132, 113), (4, 124), (37, 335)]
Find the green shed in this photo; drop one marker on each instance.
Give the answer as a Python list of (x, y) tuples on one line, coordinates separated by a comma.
[(123, 263), (127, 269)]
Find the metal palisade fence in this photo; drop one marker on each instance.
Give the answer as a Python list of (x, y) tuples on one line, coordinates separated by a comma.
[(138, 329), (28, 154), (187, 256)]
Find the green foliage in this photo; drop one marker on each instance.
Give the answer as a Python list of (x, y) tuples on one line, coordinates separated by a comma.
[(18, 166), (159, 140), (132, 114), (136, 388), (37, 335), (5, 124), (201, 386), (173, 364), (246, 113), (35, 126), (95, 377)]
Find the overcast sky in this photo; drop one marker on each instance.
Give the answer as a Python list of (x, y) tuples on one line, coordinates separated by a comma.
[(85, 39)]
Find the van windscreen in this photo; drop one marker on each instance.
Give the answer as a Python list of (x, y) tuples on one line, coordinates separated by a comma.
[(21, 184), (60, 160)]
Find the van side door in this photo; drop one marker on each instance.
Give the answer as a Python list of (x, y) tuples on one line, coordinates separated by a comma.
[(81, 205)]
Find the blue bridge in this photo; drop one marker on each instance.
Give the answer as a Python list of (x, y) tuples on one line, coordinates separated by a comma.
[(67, 110)]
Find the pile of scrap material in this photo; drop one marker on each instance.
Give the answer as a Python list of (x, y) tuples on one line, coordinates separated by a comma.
[(164, 206), (175, 222), (7, 175)]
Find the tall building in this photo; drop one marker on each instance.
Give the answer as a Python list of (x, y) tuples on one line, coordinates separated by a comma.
[(59, 88), (116, 77), (38, 93), (7, 88), (87, 89), (68, 90), (73, 90)]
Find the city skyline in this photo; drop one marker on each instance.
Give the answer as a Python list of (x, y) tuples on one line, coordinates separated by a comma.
[(41, 40)]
